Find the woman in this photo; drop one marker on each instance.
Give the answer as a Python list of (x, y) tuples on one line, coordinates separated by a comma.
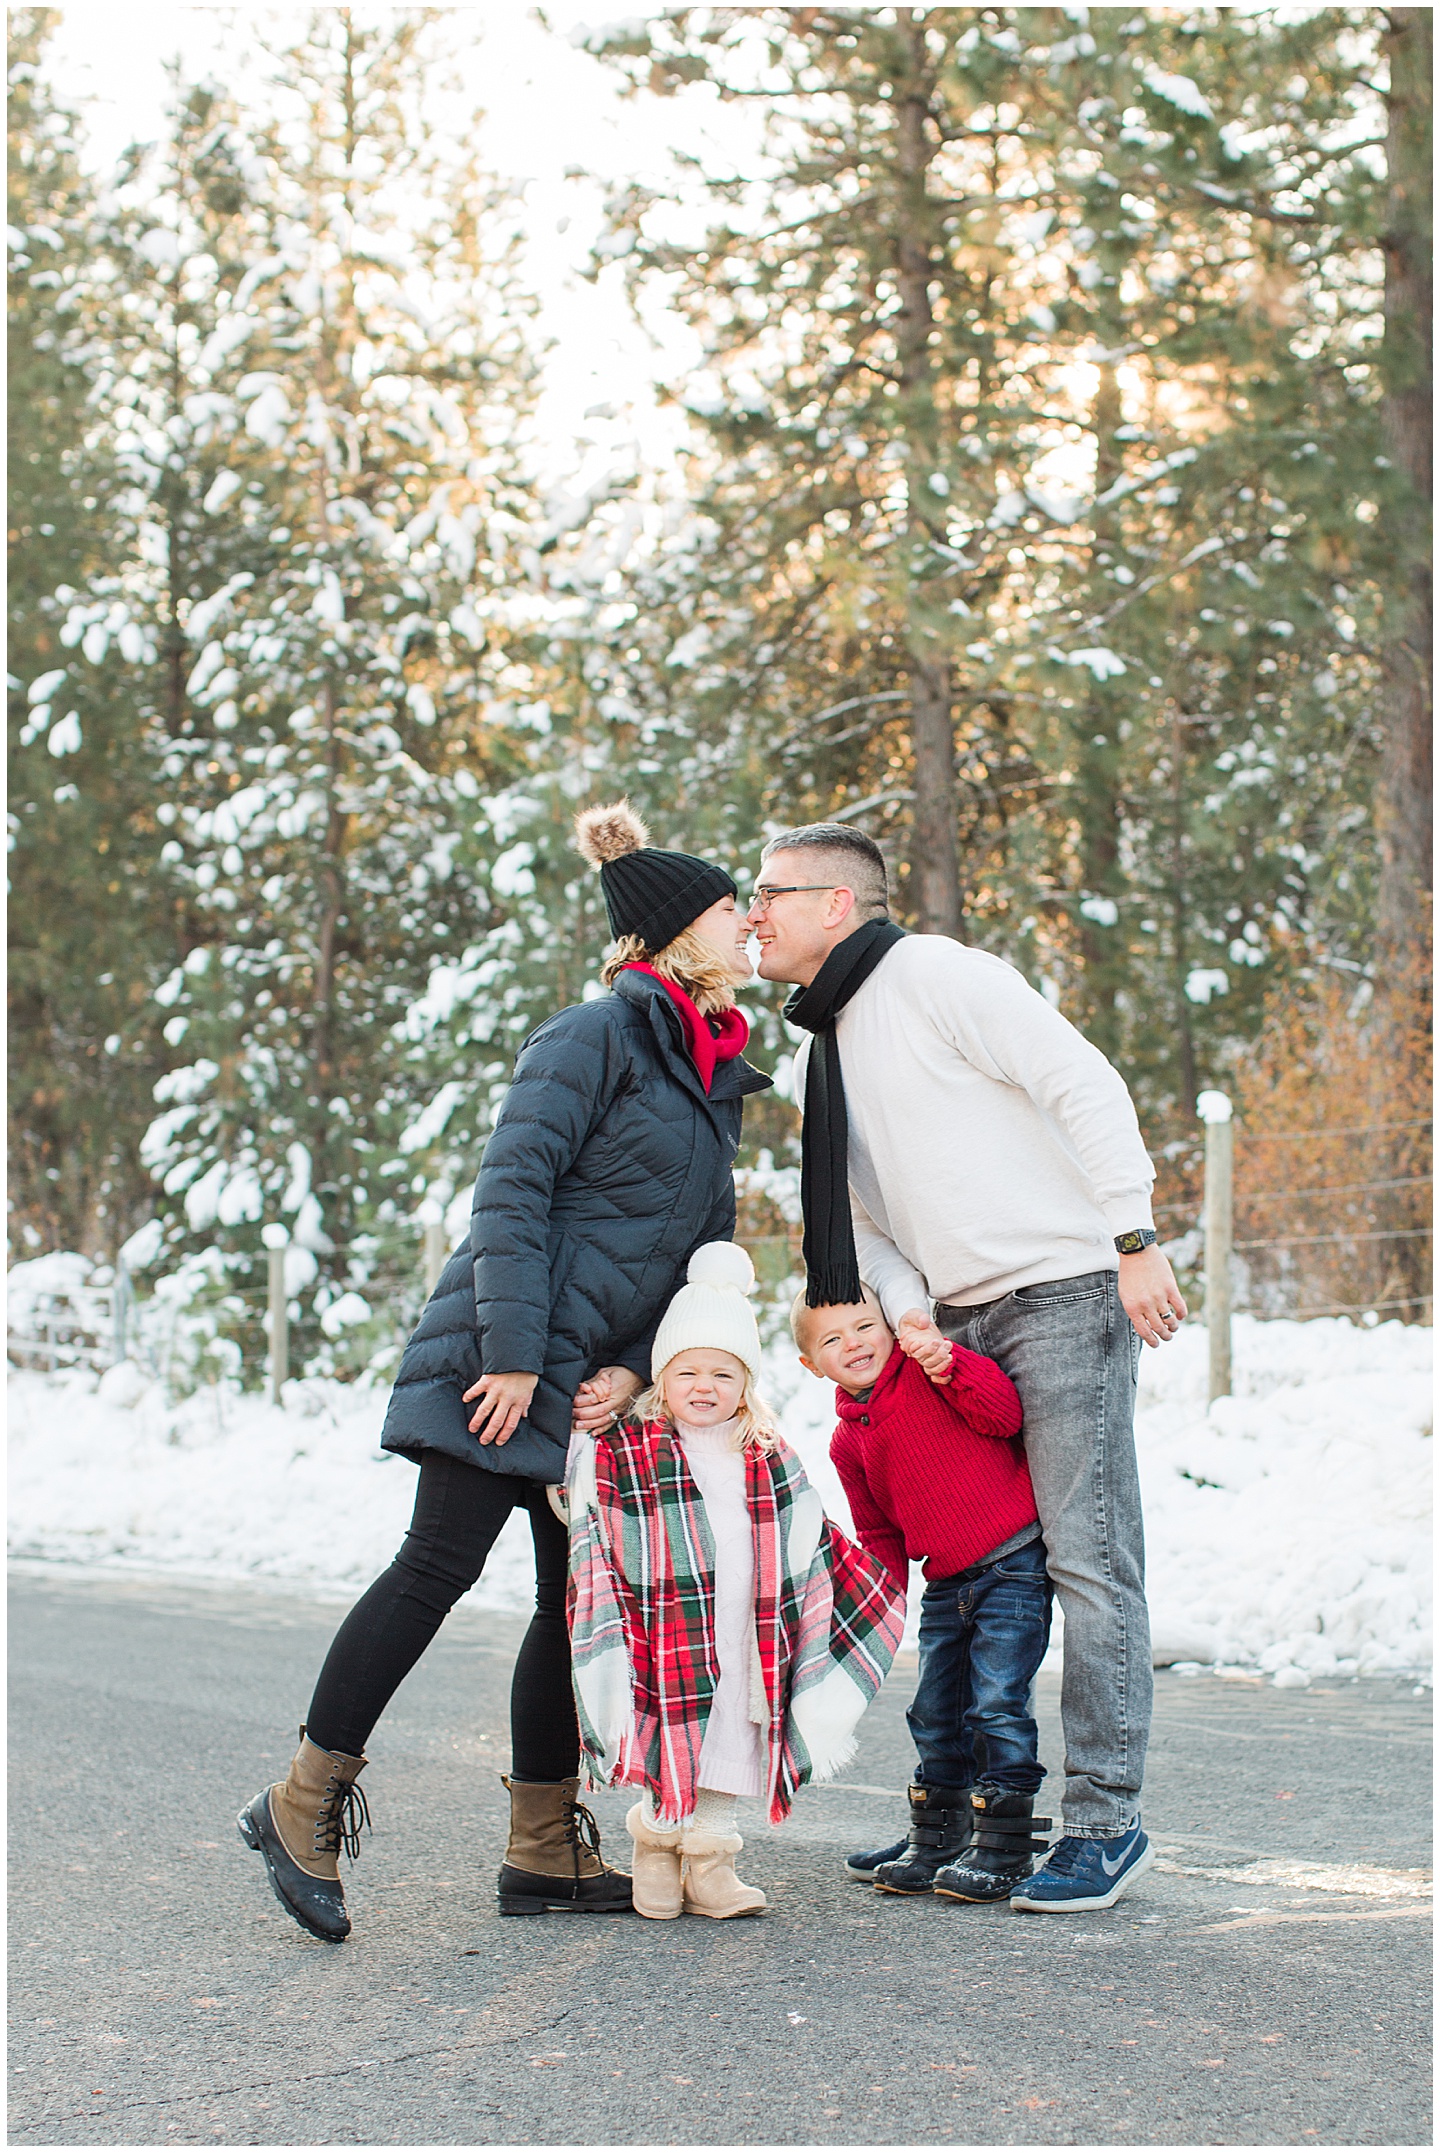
[(609, 1165)]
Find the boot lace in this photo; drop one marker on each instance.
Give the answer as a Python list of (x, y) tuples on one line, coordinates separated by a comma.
[(343, 1811), (582, 1833)]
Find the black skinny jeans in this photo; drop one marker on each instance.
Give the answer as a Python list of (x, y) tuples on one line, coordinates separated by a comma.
[(459, 1511)]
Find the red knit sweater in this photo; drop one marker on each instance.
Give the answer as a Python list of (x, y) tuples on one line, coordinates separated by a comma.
[(934, 1472)]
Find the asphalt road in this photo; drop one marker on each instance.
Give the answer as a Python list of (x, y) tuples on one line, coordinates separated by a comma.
[(158, 1995)]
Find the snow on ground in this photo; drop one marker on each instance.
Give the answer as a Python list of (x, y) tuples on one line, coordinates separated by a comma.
[(220, 1484), (1288, 1527)]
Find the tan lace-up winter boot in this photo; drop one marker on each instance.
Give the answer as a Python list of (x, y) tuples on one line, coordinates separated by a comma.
[(711, 1885), (658, 1887), (300, 1825), (553, 1864)]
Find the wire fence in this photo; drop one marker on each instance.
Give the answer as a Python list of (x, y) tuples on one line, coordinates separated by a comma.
[(104, 1322), (99, 1320), (1325, 1136), (1272, 1267)]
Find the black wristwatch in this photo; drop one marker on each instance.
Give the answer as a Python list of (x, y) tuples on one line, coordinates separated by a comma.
[(1130, 1244)]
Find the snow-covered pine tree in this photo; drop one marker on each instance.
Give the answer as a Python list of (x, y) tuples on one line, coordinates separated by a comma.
[(1408, 413), (1216, 224), (1111, 491), (325, 381), (85, 917), (861, 291)]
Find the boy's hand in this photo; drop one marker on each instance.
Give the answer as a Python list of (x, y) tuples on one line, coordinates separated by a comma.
[(917, 1335)]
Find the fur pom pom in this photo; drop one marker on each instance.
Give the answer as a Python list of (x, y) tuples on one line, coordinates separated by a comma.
[(721, 1263), (608, 833)]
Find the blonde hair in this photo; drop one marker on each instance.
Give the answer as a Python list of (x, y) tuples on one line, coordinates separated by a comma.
[(687, 962), (756, 1427), (799, 1311)]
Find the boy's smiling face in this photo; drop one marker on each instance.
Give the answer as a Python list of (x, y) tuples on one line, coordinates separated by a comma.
[(847, 1345)]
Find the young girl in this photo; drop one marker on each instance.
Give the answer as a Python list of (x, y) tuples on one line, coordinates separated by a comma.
[(726, 1637)]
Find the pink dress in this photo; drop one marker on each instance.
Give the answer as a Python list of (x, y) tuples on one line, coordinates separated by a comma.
[(732, 1756)]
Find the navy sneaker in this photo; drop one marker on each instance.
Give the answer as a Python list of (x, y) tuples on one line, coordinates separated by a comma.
[(865, 1865), (1080, 1876)]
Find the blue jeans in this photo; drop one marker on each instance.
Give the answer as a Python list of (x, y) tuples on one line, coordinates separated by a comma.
[(981, 1640), (1068, 1347)]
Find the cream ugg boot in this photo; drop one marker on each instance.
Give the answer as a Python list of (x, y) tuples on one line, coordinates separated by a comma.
[(711, 1885), (656, 1889)]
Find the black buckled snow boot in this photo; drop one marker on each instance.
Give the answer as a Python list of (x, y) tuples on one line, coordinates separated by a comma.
[(1002, 1842), (864, 1865), (939, 1831)]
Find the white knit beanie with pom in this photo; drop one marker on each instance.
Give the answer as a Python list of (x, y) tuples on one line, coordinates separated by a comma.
[(712, 1310)]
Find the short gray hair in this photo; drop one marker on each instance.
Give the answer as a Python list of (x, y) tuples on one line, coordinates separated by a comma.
[(855, 860)]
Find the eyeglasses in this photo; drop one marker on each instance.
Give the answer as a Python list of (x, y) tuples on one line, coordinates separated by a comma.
[(767, 893)]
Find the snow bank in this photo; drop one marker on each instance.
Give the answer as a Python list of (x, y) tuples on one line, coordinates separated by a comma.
[(1288, 1527), (220, 1484)]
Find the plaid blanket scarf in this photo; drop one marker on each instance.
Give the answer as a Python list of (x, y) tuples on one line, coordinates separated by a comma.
[(642, 1604)]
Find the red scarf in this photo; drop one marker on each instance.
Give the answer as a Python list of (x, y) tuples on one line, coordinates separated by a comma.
[(706, 1046)]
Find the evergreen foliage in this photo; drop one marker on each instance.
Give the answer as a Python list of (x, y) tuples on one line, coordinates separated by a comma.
[(86, 929), (1055, 512), (1042, 390), (322, 623)]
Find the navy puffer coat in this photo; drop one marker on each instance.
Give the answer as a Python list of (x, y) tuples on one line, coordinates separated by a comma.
[(607, 1169)]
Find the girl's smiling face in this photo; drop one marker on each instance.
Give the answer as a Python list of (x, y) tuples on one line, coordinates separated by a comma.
[(703, 1387)]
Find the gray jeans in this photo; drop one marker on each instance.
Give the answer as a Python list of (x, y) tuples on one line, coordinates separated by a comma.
[(1069, 1349)]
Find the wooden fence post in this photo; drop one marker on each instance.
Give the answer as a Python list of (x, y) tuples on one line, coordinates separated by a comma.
[(276, 1239), (1214, 1110), (434, 1254)]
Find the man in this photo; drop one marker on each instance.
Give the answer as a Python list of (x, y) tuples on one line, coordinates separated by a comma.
[(995, 1168)]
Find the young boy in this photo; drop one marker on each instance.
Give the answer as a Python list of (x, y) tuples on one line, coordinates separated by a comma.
[(930, 1459)]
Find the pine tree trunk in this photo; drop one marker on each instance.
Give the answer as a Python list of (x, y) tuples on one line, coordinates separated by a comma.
[(1180, 921), (1098, 769), (1403, 807), (934, 862), (934, 866), (333, 889), (172, 495), (339, 337)]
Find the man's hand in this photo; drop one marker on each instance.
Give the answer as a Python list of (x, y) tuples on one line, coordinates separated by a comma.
[(503, 1399), (1150, 1296), (917, 1335), (605, 1398)]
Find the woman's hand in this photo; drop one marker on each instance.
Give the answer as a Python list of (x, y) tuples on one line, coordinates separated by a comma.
[(604, 1398), (503, 1399)]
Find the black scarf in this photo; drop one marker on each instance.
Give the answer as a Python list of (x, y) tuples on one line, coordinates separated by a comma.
[(832, 1274)]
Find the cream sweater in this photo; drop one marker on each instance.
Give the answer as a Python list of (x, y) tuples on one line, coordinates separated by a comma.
[(732, 1754), (991, 1146)]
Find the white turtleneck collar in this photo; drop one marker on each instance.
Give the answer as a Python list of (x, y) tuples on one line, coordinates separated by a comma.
[(717, 1435)]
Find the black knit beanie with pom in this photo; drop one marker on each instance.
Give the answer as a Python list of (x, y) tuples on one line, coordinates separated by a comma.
[(651, 894)]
